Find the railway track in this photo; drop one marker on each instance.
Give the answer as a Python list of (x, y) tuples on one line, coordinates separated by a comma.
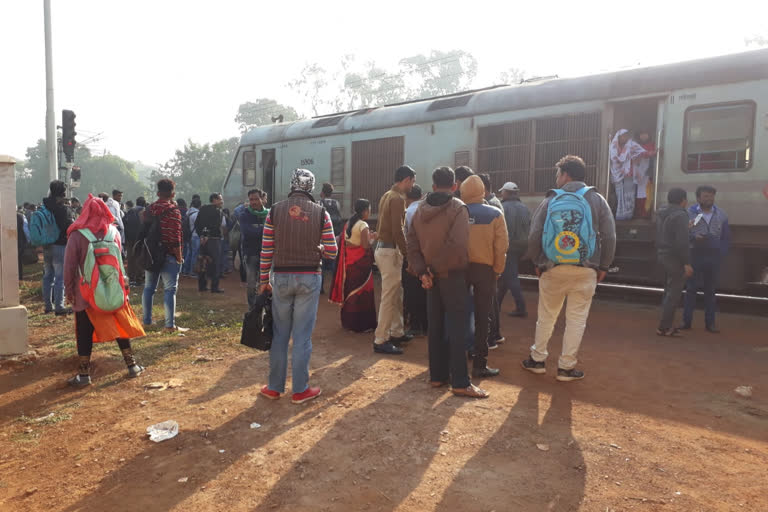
[(727, 303)]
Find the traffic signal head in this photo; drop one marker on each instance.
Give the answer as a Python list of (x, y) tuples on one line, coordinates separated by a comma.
[(75, 176), (68, 134)]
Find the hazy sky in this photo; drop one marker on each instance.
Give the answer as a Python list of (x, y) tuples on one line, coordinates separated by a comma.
[(151, 74)]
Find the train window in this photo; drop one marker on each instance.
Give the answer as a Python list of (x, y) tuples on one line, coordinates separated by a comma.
[(327, 121), (459, 101), (461, 158), (719, 138), (338, 162), (249, 168)]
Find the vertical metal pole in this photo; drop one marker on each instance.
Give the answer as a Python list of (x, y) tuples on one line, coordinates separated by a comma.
[(50, 118), (659, 135)]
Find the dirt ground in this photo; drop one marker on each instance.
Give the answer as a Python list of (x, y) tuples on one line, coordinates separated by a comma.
[(656, 424)]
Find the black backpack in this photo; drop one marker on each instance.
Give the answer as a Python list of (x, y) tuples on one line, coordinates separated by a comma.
[(332, 207), (186, 231), (149, 248), (257, 324)]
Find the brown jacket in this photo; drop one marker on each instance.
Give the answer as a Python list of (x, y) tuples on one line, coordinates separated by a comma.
[(488, 240), (439, 235), (392, 219)]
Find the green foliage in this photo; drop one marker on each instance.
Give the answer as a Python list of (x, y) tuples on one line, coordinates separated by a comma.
[(261, 112), (199, 168)]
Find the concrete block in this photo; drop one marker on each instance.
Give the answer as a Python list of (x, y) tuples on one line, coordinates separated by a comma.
[(13, 333)]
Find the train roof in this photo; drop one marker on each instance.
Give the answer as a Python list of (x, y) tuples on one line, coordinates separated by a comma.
[(740, 67)]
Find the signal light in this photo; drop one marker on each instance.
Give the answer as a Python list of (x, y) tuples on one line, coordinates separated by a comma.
[(68, 134)]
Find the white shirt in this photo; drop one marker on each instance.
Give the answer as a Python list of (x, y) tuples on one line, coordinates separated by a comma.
[(114, 207)]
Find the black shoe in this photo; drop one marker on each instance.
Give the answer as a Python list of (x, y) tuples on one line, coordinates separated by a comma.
[(713, 329), (569, 375), (405, 338), (135, 370), (202, 290), (485, 372), (534, 366), (684, 327), (387, 348), (64, 312), (79, 381), (518, 314), (493, 344), (218, 290), (47, 311)]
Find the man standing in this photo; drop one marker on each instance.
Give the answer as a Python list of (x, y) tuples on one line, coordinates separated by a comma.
[(53, 254), (209, 223), (518, 220), (252, 219), (414, 296), (132, 223), (490, 197), (166, 212), (298, 234), (438, 252), (570, 262), (187, 269), (710, 238), (487, 252), (389, 257), (113, 203), (332, 207), (674, 254)]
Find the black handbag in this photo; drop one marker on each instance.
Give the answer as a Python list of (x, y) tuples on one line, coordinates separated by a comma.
[(257, 324)]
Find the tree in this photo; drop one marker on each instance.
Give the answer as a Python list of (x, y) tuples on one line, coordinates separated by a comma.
[(756, 40), (199, 168), (439, 73), (106, 173), (511, 76), (261, 112)]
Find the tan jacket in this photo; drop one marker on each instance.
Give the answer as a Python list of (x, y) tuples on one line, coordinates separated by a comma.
[(488, 238), (392, 218)]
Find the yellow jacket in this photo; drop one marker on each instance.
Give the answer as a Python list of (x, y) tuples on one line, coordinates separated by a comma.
[(488, 239)]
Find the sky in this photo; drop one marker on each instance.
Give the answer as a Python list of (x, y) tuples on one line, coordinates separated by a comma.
[(148, 75)]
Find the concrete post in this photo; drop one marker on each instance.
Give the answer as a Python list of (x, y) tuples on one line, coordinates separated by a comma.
[(13, 316)]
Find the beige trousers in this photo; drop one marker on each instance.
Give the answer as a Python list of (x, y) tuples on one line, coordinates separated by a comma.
[(390, 263), (577, 284)]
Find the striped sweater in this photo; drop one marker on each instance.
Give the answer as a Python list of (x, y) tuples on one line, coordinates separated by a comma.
[(291, 242)]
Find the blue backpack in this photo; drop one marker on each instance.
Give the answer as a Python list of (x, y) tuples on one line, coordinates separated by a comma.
[(569, 236), (43, 229)]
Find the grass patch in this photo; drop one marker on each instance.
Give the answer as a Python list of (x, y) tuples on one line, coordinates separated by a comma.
[(26, 437)]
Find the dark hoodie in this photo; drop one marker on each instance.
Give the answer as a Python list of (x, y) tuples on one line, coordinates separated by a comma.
[(438, 237), (672, 234), (63, 216)]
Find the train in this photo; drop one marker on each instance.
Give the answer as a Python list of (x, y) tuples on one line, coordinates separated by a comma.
[(708, 116)]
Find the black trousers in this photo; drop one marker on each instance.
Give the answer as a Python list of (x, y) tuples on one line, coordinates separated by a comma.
[(482, 278), (414, 302), (211, 249), (84, 334), (446, 312)]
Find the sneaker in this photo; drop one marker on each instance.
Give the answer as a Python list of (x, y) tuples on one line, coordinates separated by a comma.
[(64, 312), (268, 393), (485, 372), (518, 314), (569, 375), (135, 370), (218, 290), (79, 381), (500, 339), (309, 394), (534, 366), (176, 328), (387, 348), (405, 338), (493, 344)]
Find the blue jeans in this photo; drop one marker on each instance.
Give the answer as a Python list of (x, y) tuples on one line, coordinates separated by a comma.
[(510, 280), (53, 277), (190, 256), (170, 275), (294, 311), (706, 270)]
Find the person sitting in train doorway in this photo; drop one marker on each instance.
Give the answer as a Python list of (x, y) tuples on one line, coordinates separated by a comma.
[(674, 255), (622, 152), (389, 256), (572, 244), (710, 237), (331, 205), (642, 168)]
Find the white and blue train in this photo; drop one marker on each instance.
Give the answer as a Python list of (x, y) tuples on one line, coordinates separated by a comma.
[(709, 116)]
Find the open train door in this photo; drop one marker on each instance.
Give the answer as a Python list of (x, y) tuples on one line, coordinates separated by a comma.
[(660, 116), (268, 166)]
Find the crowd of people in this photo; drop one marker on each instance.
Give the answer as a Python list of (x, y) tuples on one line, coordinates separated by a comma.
[(446, 259)]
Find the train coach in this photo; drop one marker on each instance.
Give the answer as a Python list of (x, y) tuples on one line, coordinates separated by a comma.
[(709, 117)]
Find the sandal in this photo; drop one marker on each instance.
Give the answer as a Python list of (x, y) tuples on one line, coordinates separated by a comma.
[(471, 391), (669, 333)]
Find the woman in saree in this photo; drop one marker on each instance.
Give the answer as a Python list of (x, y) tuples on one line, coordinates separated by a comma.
[(623, 151), (353, 285), (92, 325)]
